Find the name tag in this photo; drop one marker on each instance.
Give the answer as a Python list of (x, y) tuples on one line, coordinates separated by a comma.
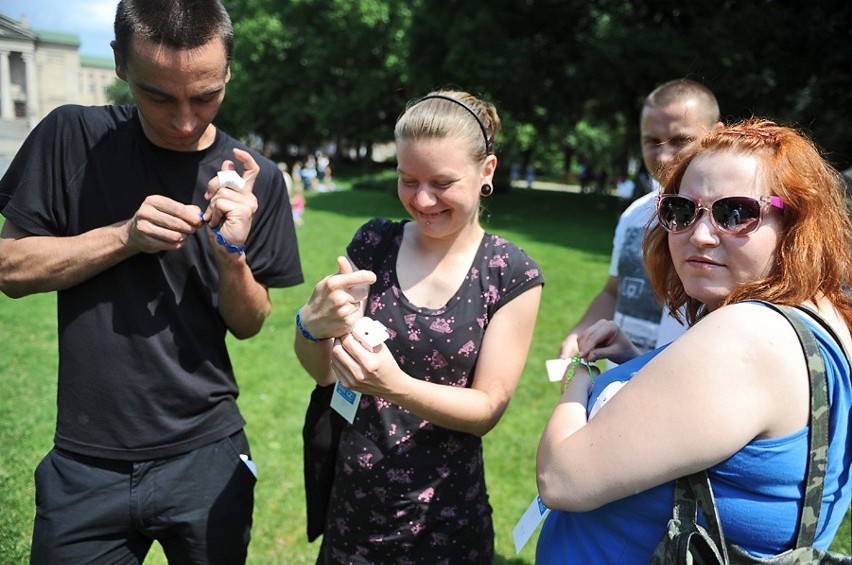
[(534, 515), (345, 401)]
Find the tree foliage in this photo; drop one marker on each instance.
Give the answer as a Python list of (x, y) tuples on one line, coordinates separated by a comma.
[(119, 92), (568, 76), (307, 72)]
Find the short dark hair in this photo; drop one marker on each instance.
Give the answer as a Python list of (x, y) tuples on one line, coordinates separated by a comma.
[(682, 89), (175, 24)]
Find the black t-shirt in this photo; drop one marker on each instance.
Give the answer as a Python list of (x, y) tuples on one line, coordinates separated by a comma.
[(143, 367)]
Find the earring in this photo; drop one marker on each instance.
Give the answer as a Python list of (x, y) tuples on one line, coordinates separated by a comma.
[(486, 189)]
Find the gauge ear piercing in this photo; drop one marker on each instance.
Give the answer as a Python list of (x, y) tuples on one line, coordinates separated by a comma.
[(486, 189)]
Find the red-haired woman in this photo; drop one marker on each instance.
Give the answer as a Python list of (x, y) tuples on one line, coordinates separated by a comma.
[(749, 212)]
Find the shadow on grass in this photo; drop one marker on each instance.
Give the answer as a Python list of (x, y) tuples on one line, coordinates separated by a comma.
[(581, 221)]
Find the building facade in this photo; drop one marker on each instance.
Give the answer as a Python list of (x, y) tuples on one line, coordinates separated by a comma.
[(39, 71)]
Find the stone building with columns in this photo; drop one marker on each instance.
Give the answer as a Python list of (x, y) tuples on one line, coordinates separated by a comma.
[(40, 70)]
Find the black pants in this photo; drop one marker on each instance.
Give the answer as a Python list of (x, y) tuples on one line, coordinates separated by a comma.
[(197, 505)]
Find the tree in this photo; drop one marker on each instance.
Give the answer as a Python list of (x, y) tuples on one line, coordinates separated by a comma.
[(307, 72), (119, 92), (317, 70)]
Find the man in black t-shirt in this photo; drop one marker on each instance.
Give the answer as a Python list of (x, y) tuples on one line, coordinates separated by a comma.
[(155, 257)]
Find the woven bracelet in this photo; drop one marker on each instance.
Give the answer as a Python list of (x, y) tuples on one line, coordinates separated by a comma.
[(569, 374)]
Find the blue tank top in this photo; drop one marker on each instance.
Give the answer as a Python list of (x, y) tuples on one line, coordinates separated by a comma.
[(758, 490)]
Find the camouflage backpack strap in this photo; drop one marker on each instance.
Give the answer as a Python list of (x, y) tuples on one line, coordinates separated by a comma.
[(817, 431), (707, 501), (828, 329), (703, 494), (684, 540)]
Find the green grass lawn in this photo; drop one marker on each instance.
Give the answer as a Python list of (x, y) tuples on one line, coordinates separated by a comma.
[(569, 235)]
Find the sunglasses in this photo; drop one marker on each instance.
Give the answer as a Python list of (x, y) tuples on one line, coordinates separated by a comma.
[(736, 215)]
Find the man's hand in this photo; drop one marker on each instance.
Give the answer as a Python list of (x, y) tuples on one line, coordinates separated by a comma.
[(232, 208), (162, 224)]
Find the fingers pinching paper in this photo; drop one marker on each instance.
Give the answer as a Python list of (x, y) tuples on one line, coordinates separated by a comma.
[(369, 332), (360, 292), (232, 180)]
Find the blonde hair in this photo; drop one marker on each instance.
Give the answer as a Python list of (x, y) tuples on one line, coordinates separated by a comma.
[(438, 118)]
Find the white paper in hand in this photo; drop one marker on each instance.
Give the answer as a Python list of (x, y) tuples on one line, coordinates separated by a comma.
[(231, 179), (535, 514), (370, 332), (556, 369)]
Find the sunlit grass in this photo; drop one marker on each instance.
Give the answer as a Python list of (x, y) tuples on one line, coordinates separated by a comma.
[(570, 237)]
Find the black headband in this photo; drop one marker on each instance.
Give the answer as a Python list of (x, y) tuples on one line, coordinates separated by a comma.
[(466, 107)]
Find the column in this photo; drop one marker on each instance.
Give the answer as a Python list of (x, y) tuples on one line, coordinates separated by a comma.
[(7, 112), (31, 88)]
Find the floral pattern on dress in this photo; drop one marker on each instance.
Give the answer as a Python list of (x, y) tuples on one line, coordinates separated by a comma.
[(409, 491)]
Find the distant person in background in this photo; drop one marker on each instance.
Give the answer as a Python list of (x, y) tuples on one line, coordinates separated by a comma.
[(530, 175), (309, 173), (297, 175), (329, 180), (288, 180), (298, 204), (585, 176), (323, 163), (514, 172), (327, 184), (155, 260), (673, 115), (460, 306)]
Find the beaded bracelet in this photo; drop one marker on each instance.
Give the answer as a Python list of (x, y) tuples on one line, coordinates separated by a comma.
[(569, 374), (220, 239), (302, 329), (229, 247)]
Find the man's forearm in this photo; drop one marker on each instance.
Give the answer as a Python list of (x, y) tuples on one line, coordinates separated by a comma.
[(243, 302), (32, 263)]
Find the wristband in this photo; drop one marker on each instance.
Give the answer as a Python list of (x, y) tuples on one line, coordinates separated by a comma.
[(220, 239), (307, 335), (569, 374), (229, 247)]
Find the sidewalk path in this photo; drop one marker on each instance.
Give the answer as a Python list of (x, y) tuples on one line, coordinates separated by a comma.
[(544, 185)]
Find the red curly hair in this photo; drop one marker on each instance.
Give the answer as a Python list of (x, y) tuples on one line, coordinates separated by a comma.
[(814, 255)]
